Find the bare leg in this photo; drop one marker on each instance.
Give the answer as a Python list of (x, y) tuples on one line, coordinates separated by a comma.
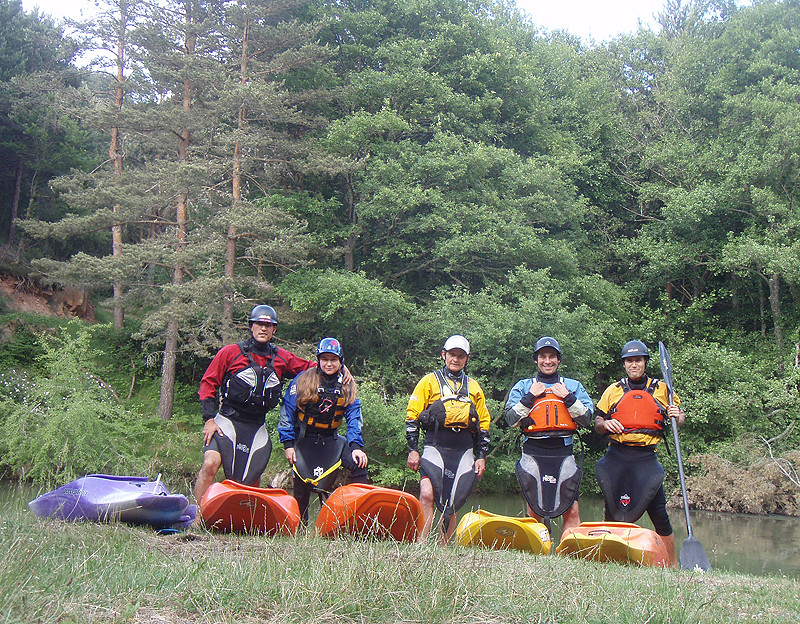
[(571, 518), (451, 527), (212, 461), (669, 542), (426, 500)]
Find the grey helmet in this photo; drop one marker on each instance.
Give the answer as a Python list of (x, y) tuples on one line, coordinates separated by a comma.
[(546, 341), (635, 348), (263, 314)]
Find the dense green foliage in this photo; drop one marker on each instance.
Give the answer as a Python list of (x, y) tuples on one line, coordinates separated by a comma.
[(392, 173)]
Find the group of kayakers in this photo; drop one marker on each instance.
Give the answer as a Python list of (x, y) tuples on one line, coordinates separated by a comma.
[(244, 381)]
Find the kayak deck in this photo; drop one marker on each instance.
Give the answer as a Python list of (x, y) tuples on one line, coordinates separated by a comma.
[(370, 510), (483, 528), (621, 542), (231, 507)]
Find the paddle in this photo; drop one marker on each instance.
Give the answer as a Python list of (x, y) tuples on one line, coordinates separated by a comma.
[(692, 553)]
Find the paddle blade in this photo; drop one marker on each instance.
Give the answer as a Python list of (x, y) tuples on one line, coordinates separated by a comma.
[(693, 555)]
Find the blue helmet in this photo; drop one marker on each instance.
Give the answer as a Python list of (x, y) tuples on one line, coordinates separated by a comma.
[(634, 348), (263, 314), (546, 341), (330, 345)]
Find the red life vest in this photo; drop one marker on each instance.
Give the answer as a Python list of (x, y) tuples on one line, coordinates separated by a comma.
[(550, 416), (638, 410)]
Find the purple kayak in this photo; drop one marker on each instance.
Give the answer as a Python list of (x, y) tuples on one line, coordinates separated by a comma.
[(107, 498)]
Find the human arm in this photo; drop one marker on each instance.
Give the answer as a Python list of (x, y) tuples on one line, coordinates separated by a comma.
[(288, 417), (419, 400), (520, 401)]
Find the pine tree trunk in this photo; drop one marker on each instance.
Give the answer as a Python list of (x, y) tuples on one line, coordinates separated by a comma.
[(115, 153), (236, 182), (12, 225), (167, 398)]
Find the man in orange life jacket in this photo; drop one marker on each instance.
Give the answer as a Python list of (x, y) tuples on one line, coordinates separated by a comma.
[(248, 377), (548, 409), (633, 413)]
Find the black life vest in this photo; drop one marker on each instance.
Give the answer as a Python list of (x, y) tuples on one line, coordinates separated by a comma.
[(638, 410), (253, 388), (328, 412), (454, 409)]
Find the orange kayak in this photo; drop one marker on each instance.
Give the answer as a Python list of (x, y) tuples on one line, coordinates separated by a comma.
[(361, 509), (237, 508), (615, 541)]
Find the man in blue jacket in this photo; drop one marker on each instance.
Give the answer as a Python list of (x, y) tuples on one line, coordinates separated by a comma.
[(549, 408)]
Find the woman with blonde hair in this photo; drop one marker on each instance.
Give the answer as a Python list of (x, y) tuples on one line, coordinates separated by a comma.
[(314, 406)]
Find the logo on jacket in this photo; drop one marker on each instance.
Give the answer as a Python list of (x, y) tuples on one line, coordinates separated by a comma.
[(549, 479), (243, 448), (624, 500), (325, 406), (318, 471)]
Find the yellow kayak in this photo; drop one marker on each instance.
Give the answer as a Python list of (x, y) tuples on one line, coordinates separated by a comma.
[(482, 528), (614, 541)]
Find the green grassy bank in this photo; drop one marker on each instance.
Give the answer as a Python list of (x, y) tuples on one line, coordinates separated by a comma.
[(57, 572)]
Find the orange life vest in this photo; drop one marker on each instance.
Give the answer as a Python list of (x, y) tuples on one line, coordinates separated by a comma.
[(550, 416), (638, 410)]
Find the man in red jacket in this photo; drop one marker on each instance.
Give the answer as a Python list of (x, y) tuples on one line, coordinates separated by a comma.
[(247, 375)]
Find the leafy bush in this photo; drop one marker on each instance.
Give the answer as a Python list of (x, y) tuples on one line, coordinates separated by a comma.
[(65, 423)]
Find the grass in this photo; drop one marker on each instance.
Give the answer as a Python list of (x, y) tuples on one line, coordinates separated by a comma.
[(58, 572)]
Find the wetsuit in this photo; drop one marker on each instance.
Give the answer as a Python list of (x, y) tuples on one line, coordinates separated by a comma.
[(452, 443), (629, 474), (248, 377), (311, 430), (547, 471)]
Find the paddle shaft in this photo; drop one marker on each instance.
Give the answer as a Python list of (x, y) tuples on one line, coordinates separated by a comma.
[(666, 370)]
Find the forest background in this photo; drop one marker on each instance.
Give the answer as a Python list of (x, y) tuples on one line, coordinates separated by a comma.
[(390, 173)]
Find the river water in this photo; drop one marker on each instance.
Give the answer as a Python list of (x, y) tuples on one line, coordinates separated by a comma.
[(760, 545)]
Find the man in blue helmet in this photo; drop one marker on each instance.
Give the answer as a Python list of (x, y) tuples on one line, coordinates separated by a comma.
[(548, 409), (316, 403), (633, 413), (239, 387)]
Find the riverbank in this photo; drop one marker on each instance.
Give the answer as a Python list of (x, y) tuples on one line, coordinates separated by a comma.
[(58, 572)]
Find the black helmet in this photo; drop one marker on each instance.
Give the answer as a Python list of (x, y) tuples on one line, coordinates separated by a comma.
[(546, 341), (634, 348), (263, 314)]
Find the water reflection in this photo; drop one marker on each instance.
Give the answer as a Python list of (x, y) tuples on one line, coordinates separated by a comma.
[(733, 542)]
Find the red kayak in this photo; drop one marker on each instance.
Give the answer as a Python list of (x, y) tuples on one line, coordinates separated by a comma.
[(369, 510), (237, 508)]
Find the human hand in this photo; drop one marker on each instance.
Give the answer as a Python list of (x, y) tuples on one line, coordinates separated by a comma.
[(560, 390), (480, 467), (537, 388), (413, 460), (210, 427), (291, 456), (360, 458)]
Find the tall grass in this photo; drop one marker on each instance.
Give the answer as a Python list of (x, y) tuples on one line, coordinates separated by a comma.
[(57, 572)]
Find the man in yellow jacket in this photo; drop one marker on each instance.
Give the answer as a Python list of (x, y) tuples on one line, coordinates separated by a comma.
[(451, 409)]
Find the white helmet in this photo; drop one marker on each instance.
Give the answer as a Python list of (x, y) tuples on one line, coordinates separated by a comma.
[(457, 342)]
